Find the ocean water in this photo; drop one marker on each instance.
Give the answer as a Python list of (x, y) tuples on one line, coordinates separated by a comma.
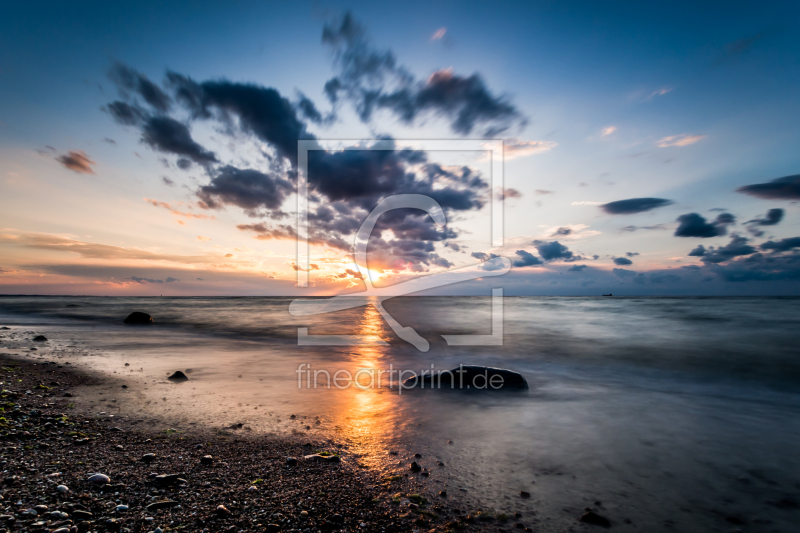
[(675, 414)]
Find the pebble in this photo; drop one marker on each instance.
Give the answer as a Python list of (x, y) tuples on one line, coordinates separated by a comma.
[(222, 510), (291, 461), (122, 508), (62, 489), (148, 458), (206, 460), (99, 479), (524, 494), (415, 467)]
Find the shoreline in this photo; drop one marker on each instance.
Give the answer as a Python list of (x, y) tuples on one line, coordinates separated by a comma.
[(48, 440)]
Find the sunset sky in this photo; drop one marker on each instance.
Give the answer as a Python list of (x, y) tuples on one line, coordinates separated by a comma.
[(149, 149)]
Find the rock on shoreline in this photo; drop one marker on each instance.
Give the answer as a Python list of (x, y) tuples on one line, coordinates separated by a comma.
[(470, 377)]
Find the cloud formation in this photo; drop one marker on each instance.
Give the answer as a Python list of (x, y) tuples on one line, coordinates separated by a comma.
[(786, 188), (679, 140), (372, 80), (77, 161), (633, 205), (514, 148), (694, 225)]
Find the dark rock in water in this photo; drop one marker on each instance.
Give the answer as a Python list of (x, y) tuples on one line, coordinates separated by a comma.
[(178, 376), (470, 377), (40, 338), (137, 318), (525, 494), (590, 517)]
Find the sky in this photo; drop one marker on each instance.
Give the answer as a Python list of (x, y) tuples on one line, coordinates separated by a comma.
[(150, 149)]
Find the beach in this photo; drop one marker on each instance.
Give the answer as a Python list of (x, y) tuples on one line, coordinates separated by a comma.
[(657, 414)]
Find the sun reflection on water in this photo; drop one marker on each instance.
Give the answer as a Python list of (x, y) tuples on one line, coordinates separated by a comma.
[(369, 407)]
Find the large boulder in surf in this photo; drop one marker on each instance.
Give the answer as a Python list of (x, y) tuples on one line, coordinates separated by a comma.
[(138, 319), (469, 377)]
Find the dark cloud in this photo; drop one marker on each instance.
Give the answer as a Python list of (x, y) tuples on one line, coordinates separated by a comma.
[(170, 279), (622, 261), (553, 250), (261, 111), (773, 217), (664, 278), (760, 267), (125, 114), (183, 163), (110, 141), (576, 268), (246, 188), (623, 273), (77, 161), (562, 232), (343, 185), (526, 259), (700, 251), (481, 256), (170, 136), (635, 228), (737, 247), (144, 280), (694, 225), (634, 205), (128, 79), (167, 181), (366, 73), (782, 245), (786, 188), (631, 254)]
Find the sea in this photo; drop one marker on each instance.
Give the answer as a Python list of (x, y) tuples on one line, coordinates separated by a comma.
[(661, 414)]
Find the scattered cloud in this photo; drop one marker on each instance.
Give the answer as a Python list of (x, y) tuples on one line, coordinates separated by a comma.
[(694, 225), (514, 148), (438, 34), (661, 92), (622, 261), (203, 238), (607, 131), (78, 161), (373, 79), (684, 139), (786, 188), (634, 205), (526, 259)]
